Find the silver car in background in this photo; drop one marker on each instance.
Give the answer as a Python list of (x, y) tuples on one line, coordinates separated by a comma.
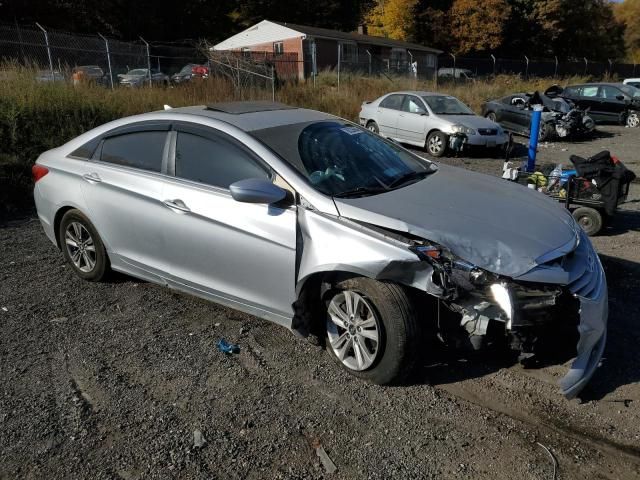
[(328, 229), (434, 121)]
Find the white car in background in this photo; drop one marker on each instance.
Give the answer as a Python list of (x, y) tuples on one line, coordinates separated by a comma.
[(634, 82), (434, 121)]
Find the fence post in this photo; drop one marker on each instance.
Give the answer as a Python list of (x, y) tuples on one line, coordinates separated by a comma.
[(369, 55), (526, 72), (106, 44), (339, 65), (454, 68), (273, 84), (493, 57), (314, 65), (610, 67), (555, 71), (46, 41), (586, 65), (148, 60)]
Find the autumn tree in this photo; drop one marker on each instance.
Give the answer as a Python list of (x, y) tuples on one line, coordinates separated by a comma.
[(392, 18), (477, 25), (628, 13)]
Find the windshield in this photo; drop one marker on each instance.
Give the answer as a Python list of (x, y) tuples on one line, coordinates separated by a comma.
[(446, 105), (630, 90), (342, 159), (186, 69), (138, 71)]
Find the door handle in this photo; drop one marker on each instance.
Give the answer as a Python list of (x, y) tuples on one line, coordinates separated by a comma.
[(92, 177), (177, 204)]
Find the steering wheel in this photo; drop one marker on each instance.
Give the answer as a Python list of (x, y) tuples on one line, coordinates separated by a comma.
[(320, 176)]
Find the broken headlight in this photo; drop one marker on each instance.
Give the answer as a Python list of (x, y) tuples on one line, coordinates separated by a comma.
[(453, 269)]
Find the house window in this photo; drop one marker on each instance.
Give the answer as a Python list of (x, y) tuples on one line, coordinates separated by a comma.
[(348, 52), (431, 61), (246, 52), (278, 48)]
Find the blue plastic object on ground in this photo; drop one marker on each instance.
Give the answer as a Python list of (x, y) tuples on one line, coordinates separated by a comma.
[(536, 116), (227, 347)]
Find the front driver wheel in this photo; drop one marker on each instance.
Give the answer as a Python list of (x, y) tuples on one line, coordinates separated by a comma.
[(633, 120), (437, 143), (82, 247), (371, 329), (491, 116)]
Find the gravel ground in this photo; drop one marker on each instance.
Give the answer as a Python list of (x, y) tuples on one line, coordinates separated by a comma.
[(111, 380)]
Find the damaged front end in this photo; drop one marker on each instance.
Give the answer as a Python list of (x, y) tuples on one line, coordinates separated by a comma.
[(575, 122), (560, 303)]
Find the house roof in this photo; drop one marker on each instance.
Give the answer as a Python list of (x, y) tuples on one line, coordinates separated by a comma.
[(355, 37), (268, 31)]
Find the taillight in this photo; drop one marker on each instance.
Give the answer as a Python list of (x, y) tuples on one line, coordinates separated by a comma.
[(37, 172)]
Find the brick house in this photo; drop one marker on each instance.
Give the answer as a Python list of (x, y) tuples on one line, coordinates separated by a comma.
[(316, 48)]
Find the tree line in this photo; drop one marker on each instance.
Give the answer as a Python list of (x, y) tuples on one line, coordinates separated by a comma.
[(596, 29)]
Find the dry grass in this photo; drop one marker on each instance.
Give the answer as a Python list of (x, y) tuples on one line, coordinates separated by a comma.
[(35, 117)]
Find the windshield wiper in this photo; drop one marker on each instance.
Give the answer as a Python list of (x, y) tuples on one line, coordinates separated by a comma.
[(407, 177), (360, 191)]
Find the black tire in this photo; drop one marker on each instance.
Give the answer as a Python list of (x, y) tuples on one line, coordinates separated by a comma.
[(492, 116), (373, 126), (396, 323), (437, 143), (589, 219), (545, 132), (90, 238)]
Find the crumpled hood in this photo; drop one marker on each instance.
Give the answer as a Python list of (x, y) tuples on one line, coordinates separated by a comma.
[(493, 223), (471, 121)]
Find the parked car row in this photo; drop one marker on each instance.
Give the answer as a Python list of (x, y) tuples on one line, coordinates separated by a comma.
[(441, 123), (136, 77)]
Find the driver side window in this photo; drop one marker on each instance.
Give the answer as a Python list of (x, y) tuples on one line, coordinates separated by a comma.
[(214, 160), (609, 93)]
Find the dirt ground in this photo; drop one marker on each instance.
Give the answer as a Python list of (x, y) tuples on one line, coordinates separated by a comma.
[(111, 380)]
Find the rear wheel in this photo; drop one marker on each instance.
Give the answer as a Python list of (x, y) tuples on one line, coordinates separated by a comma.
[(589, 219), (82, 247), (437, 143), (371, 329), (373, 127)]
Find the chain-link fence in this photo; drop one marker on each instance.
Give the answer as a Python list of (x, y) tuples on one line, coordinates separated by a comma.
[(451, 66), (58, 54)]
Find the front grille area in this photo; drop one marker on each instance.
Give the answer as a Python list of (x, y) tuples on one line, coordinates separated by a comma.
[(487, 131)]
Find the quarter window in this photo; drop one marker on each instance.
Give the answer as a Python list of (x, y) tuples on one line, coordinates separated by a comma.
[(393, 101), (138, 150), (214, 161)]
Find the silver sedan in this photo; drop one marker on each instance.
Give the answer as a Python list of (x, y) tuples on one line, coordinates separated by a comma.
[(434, 121), (316, 223)]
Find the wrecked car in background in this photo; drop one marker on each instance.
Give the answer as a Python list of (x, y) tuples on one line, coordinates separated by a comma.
[(560, 118), (313, 222), (607, 102), (439, 123)]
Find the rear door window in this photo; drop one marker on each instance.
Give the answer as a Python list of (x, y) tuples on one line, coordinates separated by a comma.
[(141, 150), (214, 160), (590, 91), (393, 102)]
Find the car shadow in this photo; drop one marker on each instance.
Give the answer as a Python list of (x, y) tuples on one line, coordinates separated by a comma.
[(623, 221), (441, 366)]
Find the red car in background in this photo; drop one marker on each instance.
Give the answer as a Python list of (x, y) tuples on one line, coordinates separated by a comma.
[(189, 72)]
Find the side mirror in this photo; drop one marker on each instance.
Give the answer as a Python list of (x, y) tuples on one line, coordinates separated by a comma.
[(256, 190), (620, 97)]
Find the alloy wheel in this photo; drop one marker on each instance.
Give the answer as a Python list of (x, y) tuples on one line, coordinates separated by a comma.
[(435, 144), (80, 247), (353, 330), (633, 120)]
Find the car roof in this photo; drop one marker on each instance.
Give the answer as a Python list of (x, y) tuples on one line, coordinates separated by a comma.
[(418, 93), (596, 84), (255, 115)]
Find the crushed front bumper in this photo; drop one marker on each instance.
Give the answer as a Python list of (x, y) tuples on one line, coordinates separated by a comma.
[(593, 337)]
